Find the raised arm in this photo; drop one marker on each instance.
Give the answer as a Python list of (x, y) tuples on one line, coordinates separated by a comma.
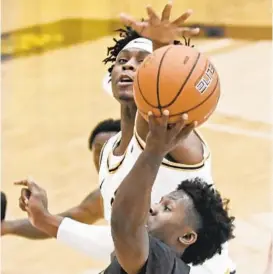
[(130, 211), (132, 203)]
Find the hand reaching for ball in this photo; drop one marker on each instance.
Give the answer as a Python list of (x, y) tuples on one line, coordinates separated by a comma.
[(161, 29), (163, 137)]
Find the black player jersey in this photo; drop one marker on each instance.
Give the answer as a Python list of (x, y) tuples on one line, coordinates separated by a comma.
[(162, 260)]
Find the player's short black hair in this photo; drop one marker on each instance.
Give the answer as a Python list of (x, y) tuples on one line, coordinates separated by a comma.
[(215, 226), (126, 35), (109, 125)]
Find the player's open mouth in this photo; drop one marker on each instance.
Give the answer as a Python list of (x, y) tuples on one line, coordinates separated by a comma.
[(125, 80)]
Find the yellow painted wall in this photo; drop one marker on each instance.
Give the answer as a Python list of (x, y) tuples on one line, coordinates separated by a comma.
[(22, 13)]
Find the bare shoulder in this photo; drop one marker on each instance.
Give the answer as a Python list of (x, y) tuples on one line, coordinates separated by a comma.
[(190, 151)]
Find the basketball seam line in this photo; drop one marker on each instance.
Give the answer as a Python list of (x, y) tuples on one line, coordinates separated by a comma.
[(185, 82), (158, 79), (188, 110), (140, 91)]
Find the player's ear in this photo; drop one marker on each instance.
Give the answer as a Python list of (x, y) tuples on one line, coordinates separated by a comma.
[(188, 238)]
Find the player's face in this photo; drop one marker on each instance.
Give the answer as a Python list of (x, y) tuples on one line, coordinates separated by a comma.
[(167, 218), (98, 143), (124, 72)]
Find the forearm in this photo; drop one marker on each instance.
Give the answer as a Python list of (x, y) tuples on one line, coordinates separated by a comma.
[(23, 228), (49, 224), (89, 211), (93, 240), (132, 202), (130, 211)]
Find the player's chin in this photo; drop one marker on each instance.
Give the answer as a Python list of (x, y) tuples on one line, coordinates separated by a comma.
[(126, 96), (156, 232), (151, 225)]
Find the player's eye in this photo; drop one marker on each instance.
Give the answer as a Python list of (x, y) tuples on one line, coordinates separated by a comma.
[(122, 61), (167, 208)]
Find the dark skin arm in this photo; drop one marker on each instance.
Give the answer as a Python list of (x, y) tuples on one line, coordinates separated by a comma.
[(130, 211), (88, 211), (132, 203)]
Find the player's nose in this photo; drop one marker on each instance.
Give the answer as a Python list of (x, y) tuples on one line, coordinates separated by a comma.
[(154, 210), (130, 65)]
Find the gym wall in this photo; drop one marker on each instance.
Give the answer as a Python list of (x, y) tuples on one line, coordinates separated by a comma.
[(35, 26)]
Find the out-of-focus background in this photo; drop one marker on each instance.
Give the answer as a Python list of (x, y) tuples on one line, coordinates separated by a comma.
[(52, 97)]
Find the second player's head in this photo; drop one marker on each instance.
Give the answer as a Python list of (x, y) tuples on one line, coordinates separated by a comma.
[(101, 134), (126, 55), (194, 220)]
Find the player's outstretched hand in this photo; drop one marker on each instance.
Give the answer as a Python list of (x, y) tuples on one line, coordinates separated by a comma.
[(33, 200), (163, 137), (161, 29)]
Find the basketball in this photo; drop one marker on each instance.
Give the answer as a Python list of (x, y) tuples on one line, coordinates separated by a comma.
[(180, 79)]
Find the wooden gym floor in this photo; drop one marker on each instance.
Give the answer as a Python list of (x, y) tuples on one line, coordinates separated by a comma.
[(50, 104)]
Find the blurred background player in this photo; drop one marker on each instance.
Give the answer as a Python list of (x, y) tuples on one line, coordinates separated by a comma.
[(100, 135)]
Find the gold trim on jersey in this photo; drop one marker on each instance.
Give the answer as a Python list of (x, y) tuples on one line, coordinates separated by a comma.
[(174, 165), (118, 165), (101, 152)]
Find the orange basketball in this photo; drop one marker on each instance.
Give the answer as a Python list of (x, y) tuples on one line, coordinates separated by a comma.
[(180, 79)]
